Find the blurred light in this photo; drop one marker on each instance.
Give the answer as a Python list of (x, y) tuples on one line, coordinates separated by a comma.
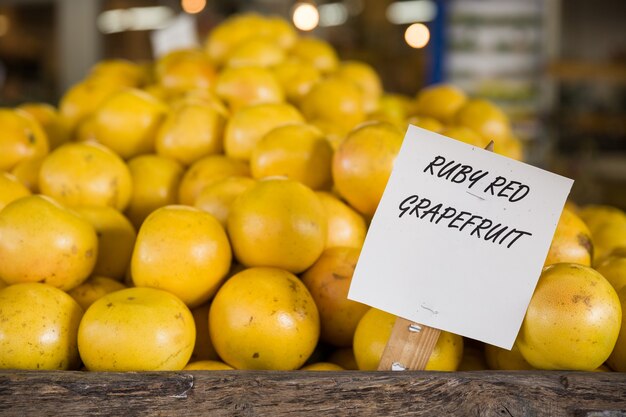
[(333, 14), (134, 18), (193, 6), (5, 24), (403, 12), (305, 16), (354, 7), (417, 35), (148, 18), (112, 21)]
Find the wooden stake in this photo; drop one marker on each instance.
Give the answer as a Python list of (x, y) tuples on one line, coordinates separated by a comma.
[(410, 344)]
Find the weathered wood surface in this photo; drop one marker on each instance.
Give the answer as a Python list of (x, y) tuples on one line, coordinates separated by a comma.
[(300, 393)]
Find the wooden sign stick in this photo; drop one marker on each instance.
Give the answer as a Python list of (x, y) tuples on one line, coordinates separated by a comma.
[(410, 344)]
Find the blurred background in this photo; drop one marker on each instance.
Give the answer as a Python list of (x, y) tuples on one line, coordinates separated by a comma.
[(558, 68)]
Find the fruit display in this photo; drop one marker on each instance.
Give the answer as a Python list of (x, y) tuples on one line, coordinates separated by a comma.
[(206, 212)]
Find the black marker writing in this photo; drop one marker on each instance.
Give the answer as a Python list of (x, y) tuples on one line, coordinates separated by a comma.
[(519, 190), (454, 171), (464, 221), (460, 173)]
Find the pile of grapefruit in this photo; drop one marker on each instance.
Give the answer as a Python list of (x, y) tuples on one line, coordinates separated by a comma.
[(207, 210)]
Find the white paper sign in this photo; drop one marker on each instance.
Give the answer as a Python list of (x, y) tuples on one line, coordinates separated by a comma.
[(459, 238), (180, 34)]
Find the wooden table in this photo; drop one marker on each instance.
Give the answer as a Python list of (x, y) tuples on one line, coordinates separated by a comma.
[(319, 394)]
